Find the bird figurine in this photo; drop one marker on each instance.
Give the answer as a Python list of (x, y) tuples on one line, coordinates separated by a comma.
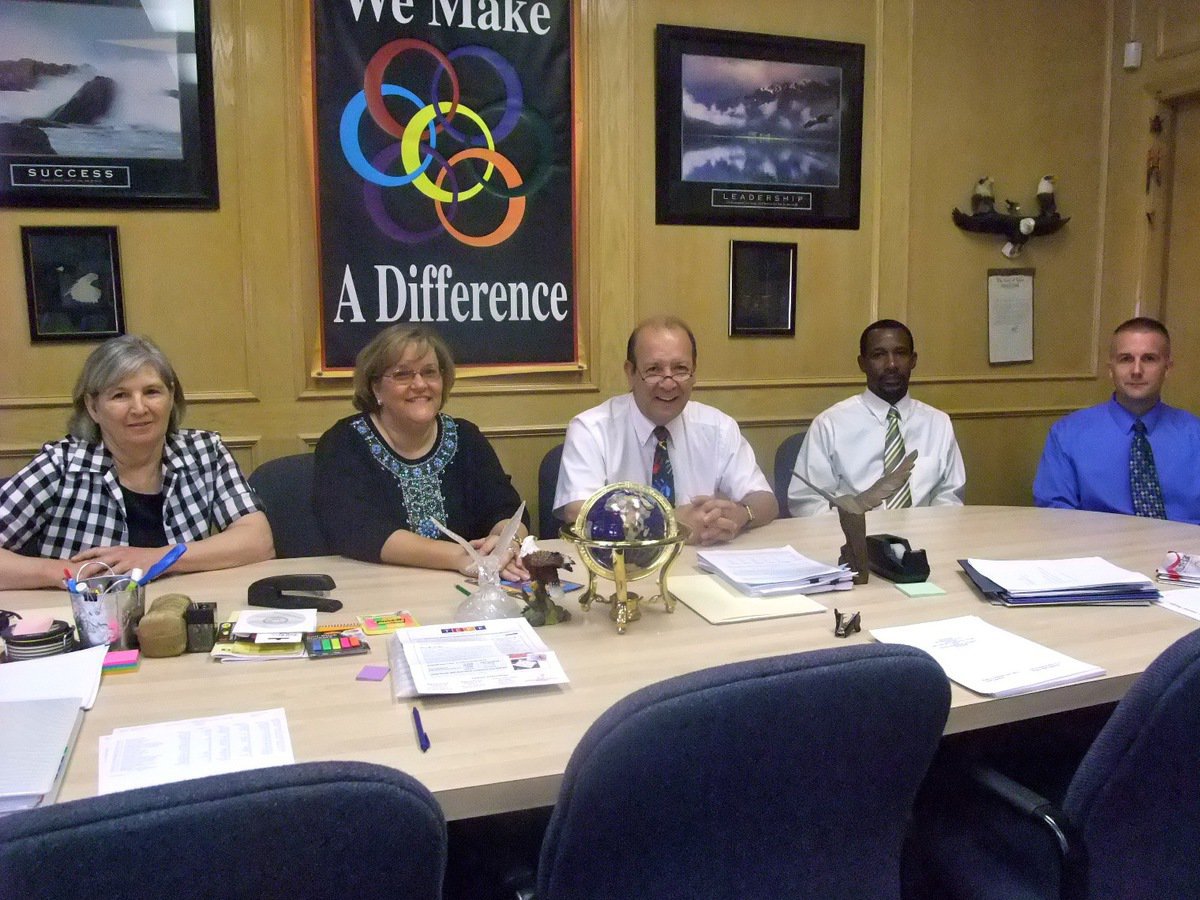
[(1047, 205), (982, 200), (852, 512), (1015, 226)]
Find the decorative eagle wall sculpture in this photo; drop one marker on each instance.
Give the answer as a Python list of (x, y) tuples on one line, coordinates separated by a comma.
[(1017, 227)]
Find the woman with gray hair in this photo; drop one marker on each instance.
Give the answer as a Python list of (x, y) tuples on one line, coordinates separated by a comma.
[(128, 483), (385, 475)]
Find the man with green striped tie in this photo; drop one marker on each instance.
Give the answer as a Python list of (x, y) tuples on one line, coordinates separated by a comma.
[(853, 443)]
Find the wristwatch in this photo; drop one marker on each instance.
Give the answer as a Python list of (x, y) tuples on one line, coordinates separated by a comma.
[(749, 516)]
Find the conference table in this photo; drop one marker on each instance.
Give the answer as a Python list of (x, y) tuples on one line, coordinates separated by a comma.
[(506, 750)]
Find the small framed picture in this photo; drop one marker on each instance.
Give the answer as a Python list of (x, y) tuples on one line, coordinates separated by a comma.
[(72, 283), (762, 288)]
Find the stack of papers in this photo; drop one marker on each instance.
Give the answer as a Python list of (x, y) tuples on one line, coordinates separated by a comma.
[(1180, 568), (264, 634), (470, 656), (989, 660), (1062, 582), (778, 570), (145, 755)]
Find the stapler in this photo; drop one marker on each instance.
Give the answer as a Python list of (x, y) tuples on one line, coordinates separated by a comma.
[(892, 558), (294, 592)]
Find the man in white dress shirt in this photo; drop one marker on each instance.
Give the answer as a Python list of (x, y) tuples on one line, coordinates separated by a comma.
[(847, 446), (657, 435)]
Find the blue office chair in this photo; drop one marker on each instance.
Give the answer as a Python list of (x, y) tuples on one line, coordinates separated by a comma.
[(548, 523), (785, 464), (1128, 825), (791, 776), (285, 487), (314, 830)]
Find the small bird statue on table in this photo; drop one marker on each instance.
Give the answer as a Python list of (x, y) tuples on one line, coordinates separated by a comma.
[(982, 200), (852, 513), (1047, 205)]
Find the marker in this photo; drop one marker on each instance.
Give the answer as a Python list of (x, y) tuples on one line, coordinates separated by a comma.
[(163, 564), (422, 737), (462, 589), (71, 586)]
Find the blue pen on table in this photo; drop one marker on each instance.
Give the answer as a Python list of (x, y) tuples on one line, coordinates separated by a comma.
[(163, 564), (422, 736)]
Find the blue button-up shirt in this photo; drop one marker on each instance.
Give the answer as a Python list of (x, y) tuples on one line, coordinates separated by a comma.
[(1085, 464)]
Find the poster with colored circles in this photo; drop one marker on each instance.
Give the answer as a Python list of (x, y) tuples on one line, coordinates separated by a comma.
[(445, 160)]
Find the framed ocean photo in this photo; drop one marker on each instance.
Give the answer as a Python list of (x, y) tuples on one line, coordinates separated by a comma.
[(106, 103)]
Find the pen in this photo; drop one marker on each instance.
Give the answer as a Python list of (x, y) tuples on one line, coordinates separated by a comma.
[(422, 736), (71, 586), (163, 564), (462, 589)]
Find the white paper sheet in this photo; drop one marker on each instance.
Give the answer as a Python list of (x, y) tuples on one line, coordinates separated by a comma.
[(989, 660), (1185, 601), (144, 755), (1010, 315), (75, 674)]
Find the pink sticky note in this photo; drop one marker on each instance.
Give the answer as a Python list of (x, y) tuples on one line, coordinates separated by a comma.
[(372, 673), (120, 658), (32, 625)]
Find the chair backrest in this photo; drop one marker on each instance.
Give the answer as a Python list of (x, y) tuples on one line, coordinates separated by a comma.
[(548, 524), (329, 829), (1135, 798), (285, 487), (791, 776), (785, 464)]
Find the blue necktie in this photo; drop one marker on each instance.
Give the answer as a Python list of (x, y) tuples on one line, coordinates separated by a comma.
[(662, 476), (1143, 476)]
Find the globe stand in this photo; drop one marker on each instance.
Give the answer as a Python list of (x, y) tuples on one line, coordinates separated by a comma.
[(627, 605)]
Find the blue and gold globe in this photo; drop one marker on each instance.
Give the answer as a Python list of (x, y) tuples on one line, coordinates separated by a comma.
[(624, 532), (630, 513)]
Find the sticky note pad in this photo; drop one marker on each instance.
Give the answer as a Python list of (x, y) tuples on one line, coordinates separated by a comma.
[(117, 661), (372, 673), (920, 589)]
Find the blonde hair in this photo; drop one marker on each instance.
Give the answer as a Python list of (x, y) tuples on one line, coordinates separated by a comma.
[(111, 363), (385, 350)]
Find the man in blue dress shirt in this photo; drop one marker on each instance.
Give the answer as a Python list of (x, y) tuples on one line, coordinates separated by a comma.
[(1134, 454)]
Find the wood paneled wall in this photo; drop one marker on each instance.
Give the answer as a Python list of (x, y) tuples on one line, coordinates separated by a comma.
[(953, 91)]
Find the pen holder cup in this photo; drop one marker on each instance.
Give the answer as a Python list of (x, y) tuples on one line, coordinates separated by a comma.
[(110, 616)]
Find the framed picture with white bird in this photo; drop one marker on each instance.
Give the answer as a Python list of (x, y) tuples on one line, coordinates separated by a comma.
[(72, 282)]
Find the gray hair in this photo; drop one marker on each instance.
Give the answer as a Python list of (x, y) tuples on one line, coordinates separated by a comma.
[(108, 365)]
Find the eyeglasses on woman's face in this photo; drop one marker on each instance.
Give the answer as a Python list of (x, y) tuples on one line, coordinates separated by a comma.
[(404, 375)]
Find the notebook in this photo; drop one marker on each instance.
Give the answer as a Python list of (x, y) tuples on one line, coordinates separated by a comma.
[(35, 746)]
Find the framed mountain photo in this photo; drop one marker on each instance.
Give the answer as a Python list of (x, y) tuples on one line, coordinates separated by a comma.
[(757, 129)]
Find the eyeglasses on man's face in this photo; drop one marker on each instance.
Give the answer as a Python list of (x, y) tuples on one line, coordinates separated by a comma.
[(658, 374), (408, 376)]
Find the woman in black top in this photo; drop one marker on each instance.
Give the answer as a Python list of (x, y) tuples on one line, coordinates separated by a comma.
[(385, 475)]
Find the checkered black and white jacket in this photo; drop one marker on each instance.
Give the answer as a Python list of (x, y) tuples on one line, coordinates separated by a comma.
[(68, 498)]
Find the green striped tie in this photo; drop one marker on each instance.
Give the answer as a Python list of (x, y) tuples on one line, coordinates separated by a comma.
[(893, 452)]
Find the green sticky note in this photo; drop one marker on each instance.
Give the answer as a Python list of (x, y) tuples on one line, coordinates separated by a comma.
[(920, 589)]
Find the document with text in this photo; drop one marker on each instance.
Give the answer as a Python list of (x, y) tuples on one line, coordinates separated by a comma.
[(144, 755), (470, 656), (989, 660)]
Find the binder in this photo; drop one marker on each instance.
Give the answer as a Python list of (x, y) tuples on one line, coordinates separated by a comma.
[(1107, 596), (35, 747)]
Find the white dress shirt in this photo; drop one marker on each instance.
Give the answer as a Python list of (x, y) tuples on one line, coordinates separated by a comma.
[(843, 453), (615, 442)]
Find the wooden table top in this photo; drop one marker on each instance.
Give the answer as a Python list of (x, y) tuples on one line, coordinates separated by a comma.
[(506, 750)]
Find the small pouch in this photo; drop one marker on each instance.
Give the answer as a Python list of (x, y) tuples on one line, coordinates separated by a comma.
[(162, 630)]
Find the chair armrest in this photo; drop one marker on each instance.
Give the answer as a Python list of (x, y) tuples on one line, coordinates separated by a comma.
[(1028, 803)]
